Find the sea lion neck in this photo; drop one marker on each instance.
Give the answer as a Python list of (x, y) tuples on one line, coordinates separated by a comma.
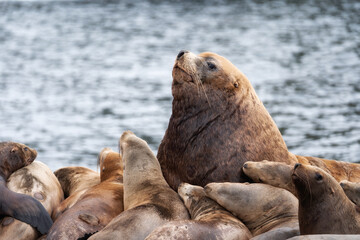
[(203, 207)]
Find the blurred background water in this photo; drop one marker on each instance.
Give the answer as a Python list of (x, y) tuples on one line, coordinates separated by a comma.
[(75, 74)]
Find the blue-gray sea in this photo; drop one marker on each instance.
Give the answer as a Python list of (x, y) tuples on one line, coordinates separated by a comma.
[(75, 74)]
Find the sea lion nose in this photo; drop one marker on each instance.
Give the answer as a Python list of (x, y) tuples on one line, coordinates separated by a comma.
[(245, 165), (297, 165), (181, 53)]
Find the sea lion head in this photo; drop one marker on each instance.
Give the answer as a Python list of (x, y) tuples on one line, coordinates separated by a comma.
[(207, 75), (14, 156), (276, 174), (190, 194), (110, 164), (312, 182)]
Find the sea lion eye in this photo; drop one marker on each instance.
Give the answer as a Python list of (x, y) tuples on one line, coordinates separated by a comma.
[(26, 149), (236, 85), (318, 177), (211, 66)]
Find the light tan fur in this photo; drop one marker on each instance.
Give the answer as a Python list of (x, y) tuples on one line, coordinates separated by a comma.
[(148, 200), (38, 181)]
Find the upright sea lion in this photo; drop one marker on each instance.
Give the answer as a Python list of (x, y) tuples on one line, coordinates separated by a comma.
[(217, 124), (209, 220), (38, 181), (97, 206), (352, 191), (14, 156), (263, 208), (323, 205), (148, 200)]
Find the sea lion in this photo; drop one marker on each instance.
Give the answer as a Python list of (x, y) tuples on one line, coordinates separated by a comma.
[(323, 205), (352, 191), (217, 124), (338, 169), (38, 181), (327, 237), (263, 208), (14, 156), (149, 202), (75, 179), (276, 174), (97, 206), (209, 220)]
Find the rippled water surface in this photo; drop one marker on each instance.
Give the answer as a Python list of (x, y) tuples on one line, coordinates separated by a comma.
[(75, 74)]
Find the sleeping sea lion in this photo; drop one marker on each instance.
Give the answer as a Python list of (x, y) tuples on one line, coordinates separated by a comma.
[(14, 156), (38, 181), (263, 208), (209, 220), (97, 206)]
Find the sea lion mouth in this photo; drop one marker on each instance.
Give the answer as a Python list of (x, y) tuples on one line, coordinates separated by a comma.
[(177, 68)]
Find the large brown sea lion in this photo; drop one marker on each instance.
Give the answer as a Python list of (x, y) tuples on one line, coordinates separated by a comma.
[(217, 124), (14, 156), (263, 208), (38, 181), (148, 200), (323, 205), (97, 206), (209, 220)]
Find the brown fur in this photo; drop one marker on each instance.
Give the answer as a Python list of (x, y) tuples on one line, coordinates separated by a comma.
[(35, 180), (261, 207), (97, 206), (279, 174), (338, 169), (209, 220), (74, 179), (14, 156), (276, 174), (352, 191), (323, 205), (217, 124), (148, 200)]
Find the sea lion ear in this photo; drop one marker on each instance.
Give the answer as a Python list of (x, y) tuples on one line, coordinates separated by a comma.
[(13, 150)]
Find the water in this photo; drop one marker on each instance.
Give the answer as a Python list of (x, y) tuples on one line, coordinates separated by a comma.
[(75, 74)]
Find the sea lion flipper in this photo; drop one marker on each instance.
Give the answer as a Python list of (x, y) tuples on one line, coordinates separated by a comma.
[(27, 209)]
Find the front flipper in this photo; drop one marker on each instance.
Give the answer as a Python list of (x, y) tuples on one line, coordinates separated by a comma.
[(26, 209)]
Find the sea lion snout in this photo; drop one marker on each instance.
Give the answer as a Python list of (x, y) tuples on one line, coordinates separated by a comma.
[(181, 53)]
